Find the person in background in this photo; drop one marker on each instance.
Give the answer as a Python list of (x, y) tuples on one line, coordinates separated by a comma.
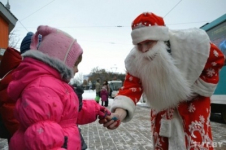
[(97, 87), (79, 91), (2, 51), (47, 107), (108, 92), (222, 47), (178, 71), (10, 61), (25, 44), (90, 85), (103, 95)]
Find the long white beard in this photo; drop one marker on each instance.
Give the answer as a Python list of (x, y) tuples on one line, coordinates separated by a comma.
[(163, 84)]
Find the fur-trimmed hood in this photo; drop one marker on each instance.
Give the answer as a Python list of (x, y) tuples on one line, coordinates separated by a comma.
[(36, 65), (65, 72)]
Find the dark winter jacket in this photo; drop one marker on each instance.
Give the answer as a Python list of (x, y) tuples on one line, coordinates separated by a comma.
[(79, 91), (8, 124)]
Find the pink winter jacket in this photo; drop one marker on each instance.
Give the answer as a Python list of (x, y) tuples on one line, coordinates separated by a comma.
[(47, 108)]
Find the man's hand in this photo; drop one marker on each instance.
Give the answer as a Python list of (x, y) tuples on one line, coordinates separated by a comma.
[(114, 120)]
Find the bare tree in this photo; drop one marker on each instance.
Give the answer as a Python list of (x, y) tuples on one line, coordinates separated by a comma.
[(14, 40), (103, 75), (78, 79)]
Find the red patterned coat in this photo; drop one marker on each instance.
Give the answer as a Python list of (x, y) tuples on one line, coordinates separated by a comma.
[(188, 125)]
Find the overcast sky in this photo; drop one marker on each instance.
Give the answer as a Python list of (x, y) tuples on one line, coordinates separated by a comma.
[(95, 23)]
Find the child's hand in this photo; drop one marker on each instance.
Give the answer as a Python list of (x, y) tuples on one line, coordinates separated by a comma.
[(103, 113), (111, 122)]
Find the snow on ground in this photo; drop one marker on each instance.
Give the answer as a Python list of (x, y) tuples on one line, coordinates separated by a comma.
[(3, 144), (91, 94)]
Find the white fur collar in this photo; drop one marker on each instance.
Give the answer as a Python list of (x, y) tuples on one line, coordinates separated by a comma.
[(66, 73)]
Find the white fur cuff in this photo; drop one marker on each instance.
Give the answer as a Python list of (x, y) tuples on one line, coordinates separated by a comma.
[(203, 88), (159, 33), (125, 103)]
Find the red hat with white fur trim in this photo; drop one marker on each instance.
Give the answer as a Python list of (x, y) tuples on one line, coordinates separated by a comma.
[(148, 26)]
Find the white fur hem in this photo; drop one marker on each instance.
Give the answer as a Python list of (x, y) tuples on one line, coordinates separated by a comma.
[(159, 33), (177, 139), (203, 88), (125, 103)]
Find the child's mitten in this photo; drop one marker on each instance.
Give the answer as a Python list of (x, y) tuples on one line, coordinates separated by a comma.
[(103, 112)]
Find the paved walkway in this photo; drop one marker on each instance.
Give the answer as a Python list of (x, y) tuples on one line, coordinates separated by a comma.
[(129, 136), (134, 135)]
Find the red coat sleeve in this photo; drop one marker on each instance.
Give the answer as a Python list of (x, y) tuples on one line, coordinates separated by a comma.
[(132, 88), (207, 82), (128, 96)]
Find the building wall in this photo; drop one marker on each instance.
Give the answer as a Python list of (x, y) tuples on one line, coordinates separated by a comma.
[(4, 31)]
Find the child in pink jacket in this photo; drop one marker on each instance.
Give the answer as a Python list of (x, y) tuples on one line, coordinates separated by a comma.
[(104, 95), (47, 107)]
